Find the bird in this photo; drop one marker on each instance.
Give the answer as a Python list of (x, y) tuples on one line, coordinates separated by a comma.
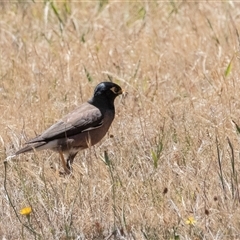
[(80, 129)]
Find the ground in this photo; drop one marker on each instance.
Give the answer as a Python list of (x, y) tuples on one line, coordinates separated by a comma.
[(168, 167)]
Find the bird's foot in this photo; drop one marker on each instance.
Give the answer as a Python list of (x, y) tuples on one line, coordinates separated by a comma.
[(65, 174)]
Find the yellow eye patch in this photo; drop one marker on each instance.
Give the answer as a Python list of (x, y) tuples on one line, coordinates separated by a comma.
[(115, 90)]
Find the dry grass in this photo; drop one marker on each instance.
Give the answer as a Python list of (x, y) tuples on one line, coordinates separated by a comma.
[(170, 156)]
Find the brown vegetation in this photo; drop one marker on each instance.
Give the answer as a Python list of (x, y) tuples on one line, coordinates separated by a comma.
[(171, 163)]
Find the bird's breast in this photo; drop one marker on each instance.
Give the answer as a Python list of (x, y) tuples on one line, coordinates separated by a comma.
[(90, 137), (95, 135)]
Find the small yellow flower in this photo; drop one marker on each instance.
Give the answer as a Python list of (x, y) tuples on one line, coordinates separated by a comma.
[(26, 211), (190, 221)]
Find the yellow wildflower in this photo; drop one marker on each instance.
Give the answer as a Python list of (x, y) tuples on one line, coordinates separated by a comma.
[(190, 221), (26, 211)]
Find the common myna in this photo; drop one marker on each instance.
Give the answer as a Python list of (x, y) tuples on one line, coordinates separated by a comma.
[(81, 128)]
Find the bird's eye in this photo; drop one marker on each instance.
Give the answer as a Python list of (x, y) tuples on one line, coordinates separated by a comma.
[(114, 90)]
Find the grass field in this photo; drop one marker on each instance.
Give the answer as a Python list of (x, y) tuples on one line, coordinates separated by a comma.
[(172, 165)]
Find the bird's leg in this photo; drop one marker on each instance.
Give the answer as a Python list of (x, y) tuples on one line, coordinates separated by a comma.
[(65, 166), (70, 159)]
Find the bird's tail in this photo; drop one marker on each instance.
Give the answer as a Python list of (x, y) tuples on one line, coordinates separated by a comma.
[(30, 147)]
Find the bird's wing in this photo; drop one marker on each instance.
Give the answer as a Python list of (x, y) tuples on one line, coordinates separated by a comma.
[(84, 118)]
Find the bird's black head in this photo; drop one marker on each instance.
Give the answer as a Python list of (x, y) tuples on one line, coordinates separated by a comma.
[(106, 92), (108, 89)]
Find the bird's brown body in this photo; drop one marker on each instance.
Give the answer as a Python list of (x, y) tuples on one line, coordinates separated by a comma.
[(81, 128)]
